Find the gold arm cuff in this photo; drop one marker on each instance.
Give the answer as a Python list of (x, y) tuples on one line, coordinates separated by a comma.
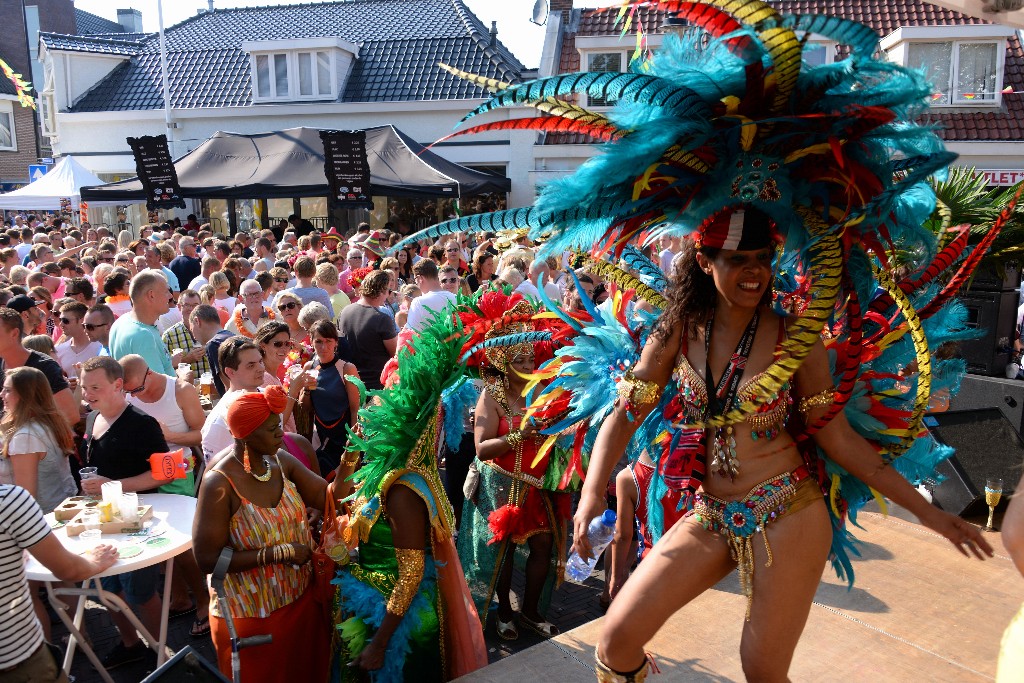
[(825, 397), (410, 572), (638, 392)]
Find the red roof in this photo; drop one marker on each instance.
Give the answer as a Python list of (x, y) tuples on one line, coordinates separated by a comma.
[(885, 16)]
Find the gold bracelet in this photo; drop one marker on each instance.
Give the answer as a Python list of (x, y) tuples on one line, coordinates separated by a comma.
[(410, 572), (514, 438), (637, 393), (825, 397)]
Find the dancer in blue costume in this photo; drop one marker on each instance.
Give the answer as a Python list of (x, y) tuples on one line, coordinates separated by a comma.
[(773, 428)]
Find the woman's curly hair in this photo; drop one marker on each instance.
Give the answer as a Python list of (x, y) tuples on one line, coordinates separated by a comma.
[(691, 294)]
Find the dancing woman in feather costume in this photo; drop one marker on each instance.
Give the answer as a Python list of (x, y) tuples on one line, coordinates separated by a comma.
[(404, 612), (774, 431), (510, 507)]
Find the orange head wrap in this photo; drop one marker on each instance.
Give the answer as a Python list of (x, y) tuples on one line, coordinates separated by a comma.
[(250, 410)]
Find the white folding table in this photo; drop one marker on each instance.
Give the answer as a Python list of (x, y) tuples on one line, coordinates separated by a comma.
[(167, 534)]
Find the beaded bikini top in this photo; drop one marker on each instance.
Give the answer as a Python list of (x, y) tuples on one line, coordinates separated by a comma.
[(766, 423)]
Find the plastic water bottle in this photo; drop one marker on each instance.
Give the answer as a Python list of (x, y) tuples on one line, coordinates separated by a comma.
[(600, 533)]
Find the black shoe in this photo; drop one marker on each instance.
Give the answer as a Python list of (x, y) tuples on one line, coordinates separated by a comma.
[(122, 655)]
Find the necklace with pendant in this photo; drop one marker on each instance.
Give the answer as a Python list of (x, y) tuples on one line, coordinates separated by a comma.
[(247, 466)]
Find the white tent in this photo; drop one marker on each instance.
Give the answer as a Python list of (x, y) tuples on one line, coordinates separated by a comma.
[(64, 181)]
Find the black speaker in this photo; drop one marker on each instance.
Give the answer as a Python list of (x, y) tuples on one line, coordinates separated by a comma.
[(977, 391), (996, 314), (987, 446), (187, 666), (990, 279)]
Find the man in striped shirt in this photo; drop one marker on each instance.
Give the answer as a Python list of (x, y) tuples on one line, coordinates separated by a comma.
[(23, 654), (180, 336)]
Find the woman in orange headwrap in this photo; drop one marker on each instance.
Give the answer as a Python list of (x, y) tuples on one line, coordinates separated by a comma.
[(254, 505)]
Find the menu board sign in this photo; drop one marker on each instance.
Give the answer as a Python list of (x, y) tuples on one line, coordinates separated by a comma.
[(155, 168), (347, 167)]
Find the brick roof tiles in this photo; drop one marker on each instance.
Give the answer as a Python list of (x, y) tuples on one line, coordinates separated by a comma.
[(400, 43), (885, 16)]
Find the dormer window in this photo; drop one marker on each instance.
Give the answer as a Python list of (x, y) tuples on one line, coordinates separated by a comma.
[(961, 72), (604, 62), (608, 54), (299, 70), (964, 64)]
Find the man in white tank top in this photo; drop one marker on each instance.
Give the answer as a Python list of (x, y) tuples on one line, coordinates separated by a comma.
[(173, 403)]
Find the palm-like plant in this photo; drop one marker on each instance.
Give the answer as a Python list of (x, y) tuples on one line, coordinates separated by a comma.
[(970, 202)]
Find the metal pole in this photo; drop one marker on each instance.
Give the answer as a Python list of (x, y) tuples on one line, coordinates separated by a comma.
[(163, 73)]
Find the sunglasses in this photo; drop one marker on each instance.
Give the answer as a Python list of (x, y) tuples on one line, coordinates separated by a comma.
[(451, 251), (132, 392), (65, 321), (281, 280), (280, 344), (448, 280), (288, 306), (91, 327), (107, 259)]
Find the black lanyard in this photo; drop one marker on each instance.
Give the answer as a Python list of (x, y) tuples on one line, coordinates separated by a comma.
[(725, 391)]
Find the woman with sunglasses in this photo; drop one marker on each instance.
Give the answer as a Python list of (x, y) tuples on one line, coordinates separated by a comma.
[(274, 341)]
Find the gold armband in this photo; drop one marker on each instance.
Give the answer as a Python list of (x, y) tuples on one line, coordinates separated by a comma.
[(825, 397), (410, 572), (637, 393), (514, 438)]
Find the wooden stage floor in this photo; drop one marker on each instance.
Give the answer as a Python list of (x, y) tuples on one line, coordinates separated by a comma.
[(919, 611)]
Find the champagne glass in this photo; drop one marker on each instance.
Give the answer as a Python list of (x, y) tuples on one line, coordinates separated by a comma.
[(993, 492)]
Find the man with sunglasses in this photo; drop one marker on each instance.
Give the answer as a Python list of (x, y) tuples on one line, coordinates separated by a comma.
[(209, 331), (78, 348), (14, 355), (182, 336), (97, 324), (81, 290)]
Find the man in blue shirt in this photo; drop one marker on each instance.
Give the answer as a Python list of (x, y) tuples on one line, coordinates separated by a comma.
[(136, 331)]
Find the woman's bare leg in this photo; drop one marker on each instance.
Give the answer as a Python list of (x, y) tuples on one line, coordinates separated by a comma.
[(784, 591), (683, 564)]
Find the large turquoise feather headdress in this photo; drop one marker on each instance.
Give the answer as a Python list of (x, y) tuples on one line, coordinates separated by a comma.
[(730, 115)]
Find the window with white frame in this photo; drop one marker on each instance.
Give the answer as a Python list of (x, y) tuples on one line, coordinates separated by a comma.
[(961, 72), (46, 114), (819, 53), (299, 69), (8, 136), (603, 62), (964, 63)]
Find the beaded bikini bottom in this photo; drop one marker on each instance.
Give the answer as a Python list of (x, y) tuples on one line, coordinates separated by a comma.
[(739, 520)]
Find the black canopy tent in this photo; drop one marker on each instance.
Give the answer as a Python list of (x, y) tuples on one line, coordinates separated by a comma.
[(290, 163)]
